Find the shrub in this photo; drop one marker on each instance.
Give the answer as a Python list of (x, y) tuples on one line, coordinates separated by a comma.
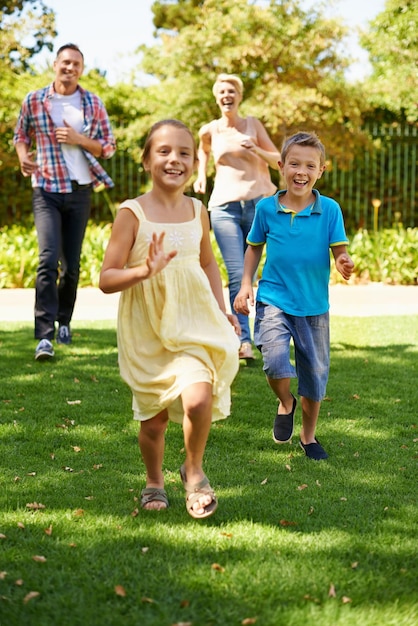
[(389, 256)]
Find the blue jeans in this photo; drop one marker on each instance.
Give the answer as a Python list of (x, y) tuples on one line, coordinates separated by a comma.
[(231, 224), (60, 221), (273, 331)]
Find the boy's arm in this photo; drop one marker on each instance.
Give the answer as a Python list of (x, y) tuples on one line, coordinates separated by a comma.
[(343, 261), (246, 294)]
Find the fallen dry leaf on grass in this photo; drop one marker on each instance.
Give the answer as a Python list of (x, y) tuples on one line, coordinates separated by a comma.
[(345, 600), (35, 506), (73, 401), (2, 536), (30, 596), (332, 593), (217, 567), (147, 600), (301, 487), (120, 591), (48, 531), (285, 522), (248, 621), (3, 575), (39, 559)]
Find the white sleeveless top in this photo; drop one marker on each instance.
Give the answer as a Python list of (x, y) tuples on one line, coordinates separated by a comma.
[(240, 174)]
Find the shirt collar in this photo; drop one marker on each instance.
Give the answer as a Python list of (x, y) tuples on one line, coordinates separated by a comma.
[(317, 208)]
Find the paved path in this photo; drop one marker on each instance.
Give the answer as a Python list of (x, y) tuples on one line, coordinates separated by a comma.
[(351, 301)]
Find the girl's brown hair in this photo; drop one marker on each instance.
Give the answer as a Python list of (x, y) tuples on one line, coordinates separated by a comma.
[(169, 122)]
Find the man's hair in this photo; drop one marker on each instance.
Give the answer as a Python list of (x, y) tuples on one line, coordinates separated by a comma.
[(70, 46), (169, 122), (303, 139), (228, 78)]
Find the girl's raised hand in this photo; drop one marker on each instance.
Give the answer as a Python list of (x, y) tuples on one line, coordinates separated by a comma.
[(157, 259)]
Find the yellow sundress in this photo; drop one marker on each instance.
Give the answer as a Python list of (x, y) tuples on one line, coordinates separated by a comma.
[(171, 332)]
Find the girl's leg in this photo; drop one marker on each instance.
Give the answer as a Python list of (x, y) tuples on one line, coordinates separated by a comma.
[(310, 413), (151, 439), (197, 405)]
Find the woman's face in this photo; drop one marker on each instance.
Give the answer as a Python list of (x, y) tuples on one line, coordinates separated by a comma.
[(228, 97)]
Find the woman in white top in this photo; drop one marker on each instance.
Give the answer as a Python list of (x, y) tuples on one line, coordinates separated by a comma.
[(242, 152)]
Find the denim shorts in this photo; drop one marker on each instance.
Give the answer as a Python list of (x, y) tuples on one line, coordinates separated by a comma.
[(273, 331)]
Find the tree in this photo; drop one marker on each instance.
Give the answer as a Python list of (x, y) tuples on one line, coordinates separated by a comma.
[(26, 27), (174, 16), (288, 59), (393, 48)]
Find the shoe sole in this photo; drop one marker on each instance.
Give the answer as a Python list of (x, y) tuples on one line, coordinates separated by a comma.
[(43, 356)]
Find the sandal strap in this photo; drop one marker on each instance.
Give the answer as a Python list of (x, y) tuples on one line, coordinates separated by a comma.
[(152, 494)]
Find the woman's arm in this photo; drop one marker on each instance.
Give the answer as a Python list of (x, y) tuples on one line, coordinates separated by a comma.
[(264, 147), (203, 154)]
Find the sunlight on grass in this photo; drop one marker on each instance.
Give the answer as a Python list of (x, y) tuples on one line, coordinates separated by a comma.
[(293, 541)]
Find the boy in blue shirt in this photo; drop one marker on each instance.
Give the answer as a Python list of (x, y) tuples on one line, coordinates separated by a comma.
[(298, 227)]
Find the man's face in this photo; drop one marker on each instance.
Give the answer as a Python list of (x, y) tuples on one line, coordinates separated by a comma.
[(68, 67)]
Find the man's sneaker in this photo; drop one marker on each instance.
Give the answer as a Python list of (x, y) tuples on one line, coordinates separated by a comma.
[(44, 350), (283, 425), (63, 335)]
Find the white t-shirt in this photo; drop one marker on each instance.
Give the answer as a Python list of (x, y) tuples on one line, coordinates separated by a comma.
[(68, 108)]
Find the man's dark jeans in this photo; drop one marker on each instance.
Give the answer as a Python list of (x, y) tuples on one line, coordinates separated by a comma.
[(60, 220)]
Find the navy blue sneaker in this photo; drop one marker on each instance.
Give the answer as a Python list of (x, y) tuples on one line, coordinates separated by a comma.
[(314, 450), (283, 425), (44, 350), (64, 335)]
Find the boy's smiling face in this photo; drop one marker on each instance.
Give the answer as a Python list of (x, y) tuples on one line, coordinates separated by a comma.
[(301, 169)]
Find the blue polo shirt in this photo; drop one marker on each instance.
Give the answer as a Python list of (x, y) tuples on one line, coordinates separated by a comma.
[(296, 272)]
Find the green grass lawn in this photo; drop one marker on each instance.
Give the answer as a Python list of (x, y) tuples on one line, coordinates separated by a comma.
[(293, 542)]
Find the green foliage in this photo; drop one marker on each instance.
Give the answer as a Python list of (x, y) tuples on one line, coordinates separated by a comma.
[(293, 542), (389, 256), (393, 46), (288, 59), (19, 255)]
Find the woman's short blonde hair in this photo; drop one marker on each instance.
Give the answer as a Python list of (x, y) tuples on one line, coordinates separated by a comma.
[(228, 78)]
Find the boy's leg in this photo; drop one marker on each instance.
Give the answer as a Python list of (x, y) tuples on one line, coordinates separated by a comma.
[(151, 439), (310, 413), (281, 388), (197, 405)]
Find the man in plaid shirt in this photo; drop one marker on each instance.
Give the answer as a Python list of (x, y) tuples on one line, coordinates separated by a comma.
[(61, 132)]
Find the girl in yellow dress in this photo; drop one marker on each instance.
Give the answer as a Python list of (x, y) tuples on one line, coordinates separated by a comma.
[(178, 348)]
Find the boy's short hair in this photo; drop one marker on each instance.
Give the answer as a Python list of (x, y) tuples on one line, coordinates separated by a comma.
[(303, 139), (228, 78)]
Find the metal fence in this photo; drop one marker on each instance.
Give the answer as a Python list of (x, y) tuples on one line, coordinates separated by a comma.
[(379, 190)]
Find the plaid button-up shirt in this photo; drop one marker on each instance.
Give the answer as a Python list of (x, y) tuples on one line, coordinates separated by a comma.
[(35, 123)]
